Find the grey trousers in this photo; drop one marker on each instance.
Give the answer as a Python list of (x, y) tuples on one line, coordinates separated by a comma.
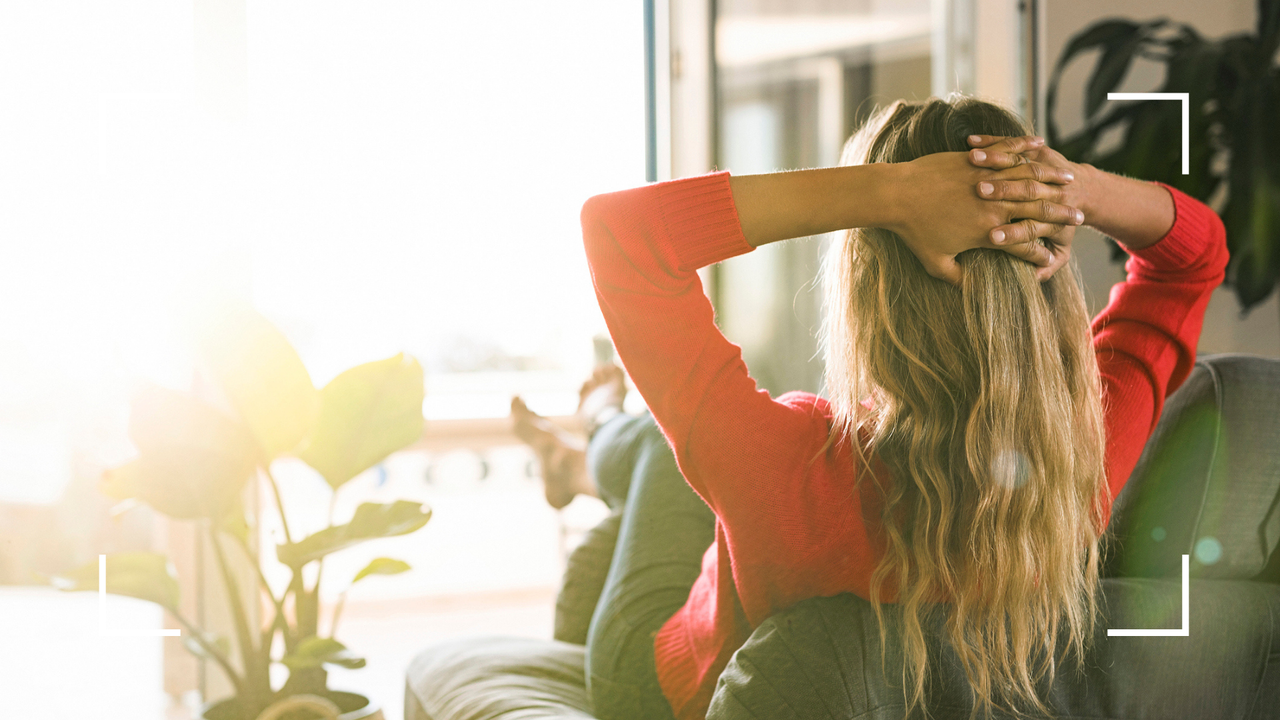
[(665, 530)]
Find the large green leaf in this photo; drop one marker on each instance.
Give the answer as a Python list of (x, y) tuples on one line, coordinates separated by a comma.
[(1108, 33), (1111, 70), (366, 413), (1234, 88), (142, 575), (381, 566), (314, 652), (193, 460), (371, 520), (1252, 214), (1268, 26), (262, 377)]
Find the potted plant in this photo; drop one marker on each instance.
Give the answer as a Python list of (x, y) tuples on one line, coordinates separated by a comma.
[(199, 455), (1234, 90)]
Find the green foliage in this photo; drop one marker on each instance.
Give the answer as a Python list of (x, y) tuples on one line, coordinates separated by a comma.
[(366, 413), (262, 377), (142, 575), (381, 566), (215, 643), (371, 520), (195, 460), (315, 652), (1234, 89)]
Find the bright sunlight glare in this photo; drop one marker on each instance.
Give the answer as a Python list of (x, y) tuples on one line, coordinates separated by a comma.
[(400, 176)]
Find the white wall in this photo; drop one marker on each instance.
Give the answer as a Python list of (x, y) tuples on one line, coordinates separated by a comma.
[(1225, 330)]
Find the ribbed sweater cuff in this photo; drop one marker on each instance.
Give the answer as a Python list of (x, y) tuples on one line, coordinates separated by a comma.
[(1184, 246), (677, 670), (701, 213)]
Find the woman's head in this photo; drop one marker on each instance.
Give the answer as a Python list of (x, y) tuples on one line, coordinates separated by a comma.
[(984, 406)]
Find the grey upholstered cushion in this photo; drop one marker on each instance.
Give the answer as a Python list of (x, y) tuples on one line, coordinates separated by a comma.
[(1209, 476), (583, 582), (821, 660), (497, 679)]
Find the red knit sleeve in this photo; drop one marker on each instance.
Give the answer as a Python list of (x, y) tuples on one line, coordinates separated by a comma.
[(734, 443), (1146, 337)]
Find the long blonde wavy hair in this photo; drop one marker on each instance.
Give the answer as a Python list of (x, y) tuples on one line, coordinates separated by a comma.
[(982, 400)]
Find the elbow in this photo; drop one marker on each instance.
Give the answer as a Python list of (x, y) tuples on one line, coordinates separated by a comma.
[(594, 227), (592, 209)]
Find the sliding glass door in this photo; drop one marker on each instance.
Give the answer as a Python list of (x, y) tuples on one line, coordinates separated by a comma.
[(793, 80)]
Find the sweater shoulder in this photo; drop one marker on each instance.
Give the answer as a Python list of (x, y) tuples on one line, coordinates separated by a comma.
[(806, 402)]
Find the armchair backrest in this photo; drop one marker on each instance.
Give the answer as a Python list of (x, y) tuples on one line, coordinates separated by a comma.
[(1208, 482)]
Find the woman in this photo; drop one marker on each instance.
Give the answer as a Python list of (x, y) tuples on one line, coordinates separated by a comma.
[(960, 457)]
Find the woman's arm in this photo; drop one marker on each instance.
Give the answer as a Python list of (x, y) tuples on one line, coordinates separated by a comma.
[(929, 202), (1134, 212), (645, 246), (781, 206)]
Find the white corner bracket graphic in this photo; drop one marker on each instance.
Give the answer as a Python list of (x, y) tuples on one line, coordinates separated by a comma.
[(1186, 612), (1186, 118), (102, 611)]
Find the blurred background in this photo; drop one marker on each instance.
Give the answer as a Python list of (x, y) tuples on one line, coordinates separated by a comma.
[(392, 176)]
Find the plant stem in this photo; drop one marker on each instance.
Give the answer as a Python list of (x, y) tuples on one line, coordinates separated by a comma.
[(333, 501), (277, 620), (214, 653), (337, 613), (275, 490), (257, 683), (258, 567)]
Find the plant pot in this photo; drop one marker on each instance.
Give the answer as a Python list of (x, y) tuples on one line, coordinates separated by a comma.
[(352, 705)]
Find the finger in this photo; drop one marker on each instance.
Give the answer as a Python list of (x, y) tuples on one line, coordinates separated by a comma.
[(1060, 258), (1020, 191), (944, 268), (986, 141), (1038, 171), (1024, 232), (981, 141), (1044, 211), (1017, 145), (996, 159), (1005, 152), (1033, 252)]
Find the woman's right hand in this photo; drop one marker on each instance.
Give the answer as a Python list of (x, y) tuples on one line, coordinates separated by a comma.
[(1021, 164), (940, 214)]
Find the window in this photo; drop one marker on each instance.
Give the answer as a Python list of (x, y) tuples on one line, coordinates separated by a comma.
[(794, 79), (375, 177)]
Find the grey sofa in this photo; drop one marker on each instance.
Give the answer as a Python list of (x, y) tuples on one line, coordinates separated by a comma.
[(1208, 485)]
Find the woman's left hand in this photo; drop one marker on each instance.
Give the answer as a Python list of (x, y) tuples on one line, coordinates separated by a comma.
[(941, 214)]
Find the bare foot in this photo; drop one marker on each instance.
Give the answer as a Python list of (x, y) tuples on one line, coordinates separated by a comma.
[(562, 456), (601, 396)]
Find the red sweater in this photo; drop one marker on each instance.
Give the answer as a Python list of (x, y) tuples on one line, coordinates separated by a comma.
[(788, 530)]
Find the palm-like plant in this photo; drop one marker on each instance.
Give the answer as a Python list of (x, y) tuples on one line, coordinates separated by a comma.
[(196, 462), (1234, 89)]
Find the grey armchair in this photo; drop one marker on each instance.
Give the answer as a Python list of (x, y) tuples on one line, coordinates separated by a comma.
[(1208, 485)]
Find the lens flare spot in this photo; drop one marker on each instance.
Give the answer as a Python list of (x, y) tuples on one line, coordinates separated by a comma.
[(1159, 534), (1010, 469), (1208, 550)]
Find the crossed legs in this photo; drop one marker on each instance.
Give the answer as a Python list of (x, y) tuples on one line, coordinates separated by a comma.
[(665, 530)]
